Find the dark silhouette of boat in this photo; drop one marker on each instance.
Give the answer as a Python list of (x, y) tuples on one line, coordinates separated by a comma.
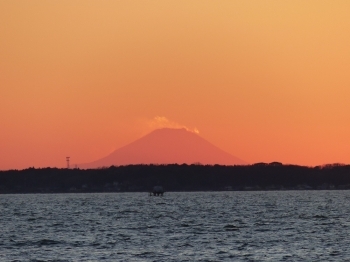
[(157, 191)]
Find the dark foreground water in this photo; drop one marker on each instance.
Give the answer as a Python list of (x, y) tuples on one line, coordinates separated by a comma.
[(214, 226)]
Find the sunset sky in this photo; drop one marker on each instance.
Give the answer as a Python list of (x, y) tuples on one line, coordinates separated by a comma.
[(263, 80)]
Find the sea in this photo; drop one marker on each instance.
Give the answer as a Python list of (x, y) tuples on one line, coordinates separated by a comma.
[(180, 226)]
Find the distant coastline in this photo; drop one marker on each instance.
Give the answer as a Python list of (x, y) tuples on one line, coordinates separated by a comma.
[(196, 177)]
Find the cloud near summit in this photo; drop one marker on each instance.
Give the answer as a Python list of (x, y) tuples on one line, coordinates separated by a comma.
[(163, 122)]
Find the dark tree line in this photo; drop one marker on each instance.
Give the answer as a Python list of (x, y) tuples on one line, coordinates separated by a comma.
[(261, 176)]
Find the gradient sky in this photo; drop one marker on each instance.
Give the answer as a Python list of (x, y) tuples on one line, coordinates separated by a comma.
[(263, 80)]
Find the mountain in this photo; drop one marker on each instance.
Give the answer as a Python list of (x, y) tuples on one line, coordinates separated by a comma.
[(167, 146)]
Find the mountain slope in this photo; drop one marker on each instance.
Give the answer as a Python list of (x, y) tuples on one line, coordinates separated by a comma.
[(167, 146)]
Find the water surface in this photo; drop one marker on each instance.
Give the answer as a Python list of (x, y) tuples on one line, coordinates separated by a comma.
[(205, 226)]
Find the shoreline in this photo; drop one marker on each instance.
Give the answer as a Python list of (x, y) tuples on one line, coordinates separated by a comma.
[(176, 178)]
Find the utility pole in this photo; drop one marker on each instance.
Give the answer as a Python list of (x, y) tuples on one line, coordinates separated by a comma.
[(67, 159)]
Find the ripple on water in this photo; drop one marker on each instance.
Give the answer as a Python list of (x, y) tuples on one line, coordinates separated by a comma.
[(222, 226)]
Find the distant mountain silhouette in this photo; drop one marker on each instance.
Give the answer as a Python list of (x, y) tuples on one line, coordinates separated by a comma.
[(167, 146)]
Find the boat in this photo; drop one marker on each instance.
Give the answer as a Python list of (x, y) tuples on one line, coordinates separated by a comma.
[(157, 191)]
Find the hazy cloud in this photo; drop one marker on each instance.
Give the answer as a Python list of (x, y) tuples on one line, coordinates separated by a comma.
[(163, 122)]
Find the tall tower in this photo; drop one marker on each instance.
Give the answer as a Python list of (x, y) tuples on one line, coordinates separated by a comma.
[(67, 159)]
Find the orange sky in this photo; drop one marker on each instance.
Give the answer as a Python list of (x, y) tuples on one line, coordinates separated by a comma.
[(263, 80)]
